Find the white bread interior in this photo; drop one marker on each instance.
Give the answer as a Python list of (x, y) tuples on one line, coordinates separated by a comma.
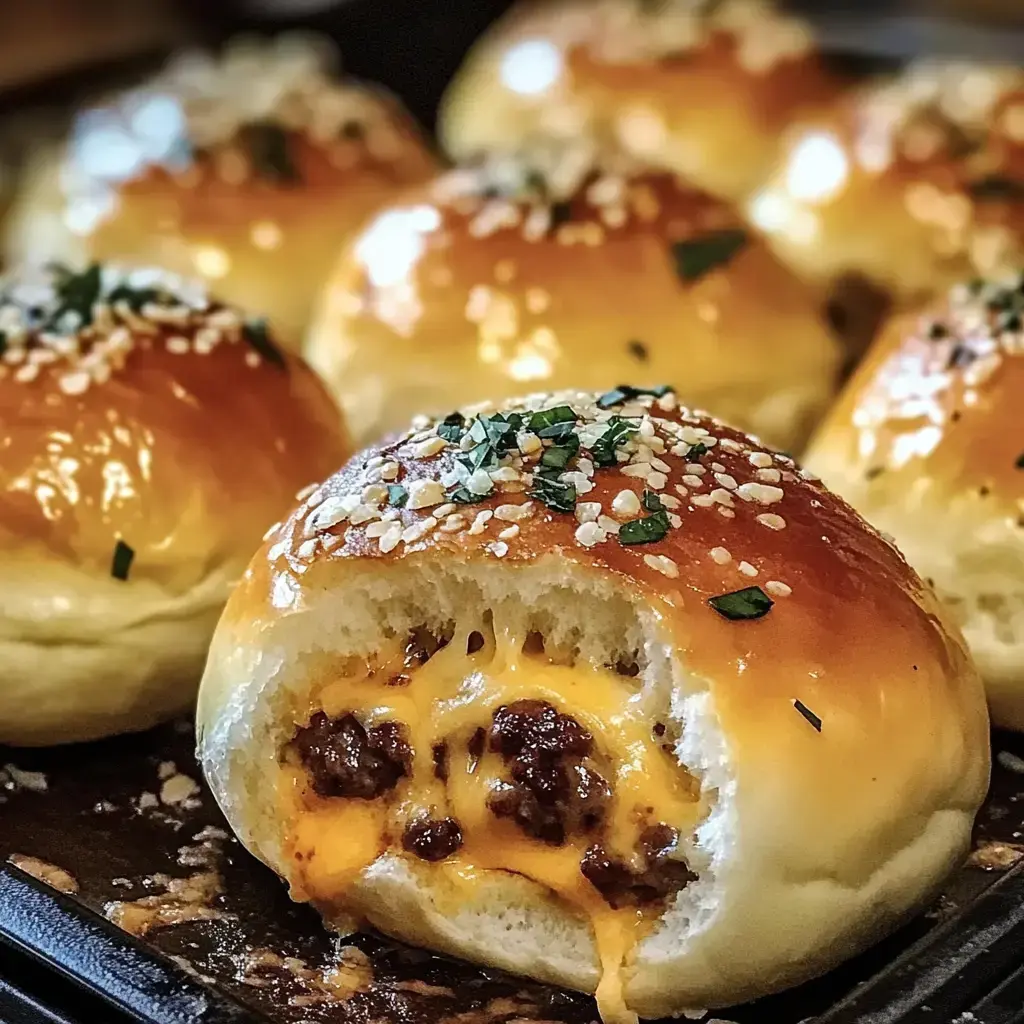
[(765, 913)]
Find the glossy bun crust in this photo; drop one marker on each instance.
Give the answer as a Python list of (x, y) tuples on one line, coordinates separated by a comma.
[(924, 443), (821, 744), (452, 295), (703, 89), (911, 183), (249, 171), (150, 436)]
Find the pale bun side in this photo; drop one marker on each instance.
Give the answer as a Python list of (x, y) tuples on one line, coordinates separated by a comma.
[(924, 443), (452, 295), (151, 434), (249, 171), (701, 90), (807, 845)]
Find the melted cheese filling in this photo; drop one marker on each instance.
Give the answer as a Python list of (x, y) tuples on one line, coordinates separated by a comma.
[(448, 699)]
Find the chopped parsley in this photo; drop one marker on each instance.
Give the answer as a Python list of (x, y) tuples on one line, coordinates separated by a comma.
[(543, 423), (749, 603), (997, 188), (269, 150), (255, 333), (462, 495), (561, 213), (651, 501), (397, 495), (625, 393), (76, 294), (550, 491), (3, 343), (134, 298), (809, 714), (645, 531), (451, 427), (638, 350), (696, 451), (122, 561), (558, 456), (618, 431), (695, 257)]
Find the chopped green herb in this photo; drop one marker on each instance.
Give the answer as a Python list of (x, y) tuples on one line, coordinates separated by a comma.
[(397, 495), (645, 531), (651, 501), (269, 150), (561, 213), (135, 298), (625, 393), (76, 293), (450, 428), (696, 256), (1020, 461), (547, 418), (483, 456), (696, 451), (618, 432), (638, 350), (809, 714), (122, 561), (1010, 321), (937, 331), (461, 495), (996, 188), (749, 603), (255, 333), (552, 492), (3, 343), (558, 457)]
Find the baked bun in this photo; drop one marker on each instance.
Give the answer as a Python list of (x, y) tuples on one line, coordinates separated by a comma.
[(703, 89), (453, 295), (659, 717), (907, 184), (248, 171), (917, 444), (150, 436)]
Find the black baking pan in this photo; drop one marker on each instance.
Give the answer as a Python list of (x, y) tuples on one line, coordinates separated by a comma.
[(118, 821)]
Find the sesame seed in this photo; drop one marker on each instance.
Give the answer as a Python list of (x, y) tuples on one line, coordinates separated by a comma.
[(377, 529), (772, 521), (722, 497), (696, 468), (528, 442), (669, 502), (74, 383), (480, 522), (510, 532), (498, 548), (637, 469), (417, 531), (27, 372), (778, 589), (760, 459), (504, 475), (662, 564), (478, 482), (306, 492), (330, 513), (390, 540), (727, 481), (514, 513), (692, 481), (374, 494), (429, 447), (769, 476), (363, 514), (721, 556), (389, 471), (661, 466), (453, 523), (179, 346), (717, 468), (657, 481), (307, 549), (424, 493), (667, 402), (703, 500), (608, 524), (444, 510), (588, 511), (589, 534), (271, 530), (763, 494), (626, 504), (747, 569)]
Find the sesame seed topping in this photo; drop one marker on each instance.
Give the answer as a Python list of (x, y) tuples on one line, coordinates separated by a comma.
[(777, 589), (390, 540), (747, 569), (424, 493), (663, 564), (589, 533), (721, 556), (772, 521), (432, 446), (481, 521), (498, 548), (588, 511), (762, 460), (763, 494), (453, 523), (626, 504), (510, 532)]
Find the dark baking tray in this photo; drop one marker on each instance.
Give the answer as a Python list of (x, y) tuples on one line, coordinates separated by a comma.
[(100, 818)]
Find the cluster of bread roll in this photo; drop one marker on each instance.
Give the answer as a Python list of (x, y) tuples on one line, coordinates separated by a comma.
[(560, 673)]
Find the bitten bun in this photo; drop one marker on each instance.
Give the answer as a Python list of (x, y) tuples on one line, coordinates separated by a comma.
[(598, 691), (701, 89), (150, 436), (909, 183), (455, 295), (924, 443), (249, 171)]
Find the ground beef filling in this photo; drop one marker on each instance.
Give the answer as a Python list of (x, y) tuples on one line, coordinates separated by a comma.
[(654, 875), (554, 790), (344, 759)]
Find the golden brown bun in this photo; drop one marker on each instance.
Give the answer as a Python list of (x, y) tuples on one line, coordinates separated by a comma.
[(153, 424), (923, 442), (912, 183), (249, 171), (703, 93), (821, 760), (451, 296)]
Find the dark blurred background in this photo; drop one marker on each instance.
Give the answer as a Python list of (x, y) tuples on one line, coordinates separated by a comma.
[(51, 49)]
